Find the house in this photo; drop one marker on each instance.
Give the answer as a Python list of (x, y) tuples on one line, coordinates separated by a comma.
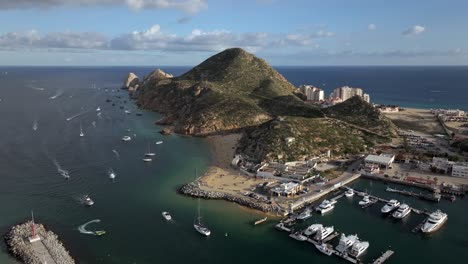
[(286, 189)]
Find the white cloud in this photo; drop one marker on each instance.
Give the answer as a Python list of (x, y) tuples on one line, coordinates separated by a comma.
[(371, 27), (414, 30), (189, 6)]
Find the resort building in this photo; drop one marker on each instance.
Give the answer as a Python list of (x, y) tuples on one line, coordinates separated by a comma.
[(313, 93), (342, 94), (286, 189), (460, 171)]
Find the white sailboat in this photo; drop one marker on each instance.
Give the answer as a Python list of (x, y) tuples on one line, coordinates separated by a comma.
[(199, 226), (149, 153)]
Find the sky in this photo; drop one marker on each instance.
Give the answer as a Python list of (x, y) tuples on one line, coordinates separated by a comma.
[(185, 32)]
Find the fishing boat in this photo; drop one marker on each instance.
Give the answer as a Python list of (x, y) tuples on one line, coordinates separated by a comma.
[(324, 248), (323, 233), (167, 216), (199, 226)]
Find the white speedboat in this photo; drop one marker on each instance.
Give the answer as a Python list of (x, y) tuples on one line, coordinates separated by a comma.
[(167, 216), (306, 214), (402, 211), (323, 233), (128, 112), (434, 222), (390, 206), (126, 138), (325, 249), (98, 109), (88, 201), (358, 248), (298, 236), (159, 142), (146, 159), (365, 201), (326, 206), (112, 174), (349, 193), (312, 229), (346, 242)]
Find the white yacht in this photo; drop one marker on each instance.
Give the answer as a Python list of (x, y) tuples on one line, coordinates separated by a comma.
[(434, 222), (326, 206), (349, 193), (199, 226), (358, 248), (306, 214), (88, 201), (126, 138), (167, 216), (324, 232), (325, 249), (298, 236), (147, 159), (390, 206), (402, 211), (365, 201), (346, 242), (312, 229)]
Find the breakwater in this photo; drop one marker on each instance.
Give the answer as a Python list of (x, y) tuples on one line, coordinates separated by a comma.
[(192, 189), (48, 249)]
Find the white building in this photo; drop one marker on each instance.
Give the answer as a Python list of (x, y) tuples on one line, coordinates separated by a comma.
[(286, 189), (460, 171), (442, 164), (366, 97), (379, 161), (342, 94), (313, 93)]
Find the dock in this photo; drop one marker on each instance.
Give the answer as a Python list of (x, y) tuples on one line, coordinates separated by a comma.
[(385, 256), (433, 198)]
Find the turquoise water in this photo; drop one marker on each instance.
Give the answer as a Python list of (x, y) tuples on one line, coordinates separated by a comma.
[(130, 208)]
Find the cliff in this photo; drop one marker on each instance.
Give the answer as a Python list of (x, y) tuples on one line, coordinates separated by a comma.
[(228, 92)]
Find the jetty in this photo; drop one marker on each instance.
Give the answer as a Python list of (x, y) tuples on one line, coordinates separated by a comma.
[(31, 243)]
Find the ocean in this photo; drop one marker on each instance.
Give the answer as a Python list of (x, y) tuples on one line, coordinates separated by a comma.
[(58, 101)]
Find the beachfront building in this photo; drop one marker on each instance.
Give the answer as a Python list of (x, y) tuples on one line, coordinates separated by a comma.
[(460, 171), (344, 93), (379, 161), (313, 93), (286, 189), (442, 164)]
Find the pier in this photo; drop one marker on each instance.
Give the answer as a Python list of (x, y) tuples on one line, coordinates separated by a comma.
[(433, 198), (386, 255)]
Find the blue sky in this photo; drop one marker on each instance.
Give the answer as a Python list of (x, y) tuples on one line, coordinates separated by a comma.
[(184, 32)]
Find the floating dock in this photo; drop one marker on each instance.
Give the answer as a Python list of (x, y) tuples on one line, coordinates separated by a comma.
[(386, 255), (433, 198)]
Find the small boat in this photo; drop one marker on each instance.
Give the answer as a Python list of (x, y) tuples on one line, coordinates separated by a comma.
[(312, 229), (126, 138), (323, 233), (88, 201), (390, 206), (358, 248), (298, 236), (306, 214), (402, 211), (128, 112), (111, 174), (149, 153), (259, 221), (365, 201), (81, 131), (159, 142), (98, 109), (34, 127), (346, 242), (146, 159), (324, 248), (434, 222), (199, 226), (326, 206), (349, 193), (167, 216), (100, 232)]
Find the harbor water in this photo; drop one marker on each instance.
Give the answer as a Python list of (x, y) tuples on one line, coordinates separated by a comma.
[(42, 110)]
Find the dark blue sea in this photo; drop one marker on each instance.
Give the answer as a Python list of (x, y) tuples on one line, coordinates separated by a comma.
[(43, 108)]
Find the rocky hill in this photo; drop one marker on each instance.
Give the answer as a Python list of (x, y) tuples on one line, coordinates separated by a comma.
[(229, 91)]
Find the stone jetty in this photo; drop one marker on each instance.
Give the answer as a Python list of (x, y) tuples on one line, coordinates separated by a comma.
[(192, 189), (46, 250)]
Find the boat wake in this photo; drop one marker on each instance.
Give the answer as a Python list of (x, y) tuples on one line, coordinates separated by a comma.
[(36, 88), (56, 95), (117, 155), (35, 125), (83, 230), (61, 171), (77, 115)]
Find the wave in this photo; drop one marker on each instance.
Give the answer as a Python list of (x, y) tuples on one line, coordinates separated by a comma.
[(83, 230), (117, 155), (61, 171)]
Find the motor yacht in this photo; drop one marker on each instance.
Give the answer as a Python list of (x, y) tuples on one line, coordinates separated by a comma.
[(346, 242), (402, 211), (306, 214), (390, 206), (326, 206), (298, 236), (325, 249), (167, 216), (349, 193), (358, 248), (323, 233), (434, 222), (312, 229), (365, 201)]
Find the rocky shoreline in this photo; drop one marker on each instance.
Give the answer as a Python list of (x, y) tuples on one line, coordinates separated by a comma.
[(19, 246), (192, 189)]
